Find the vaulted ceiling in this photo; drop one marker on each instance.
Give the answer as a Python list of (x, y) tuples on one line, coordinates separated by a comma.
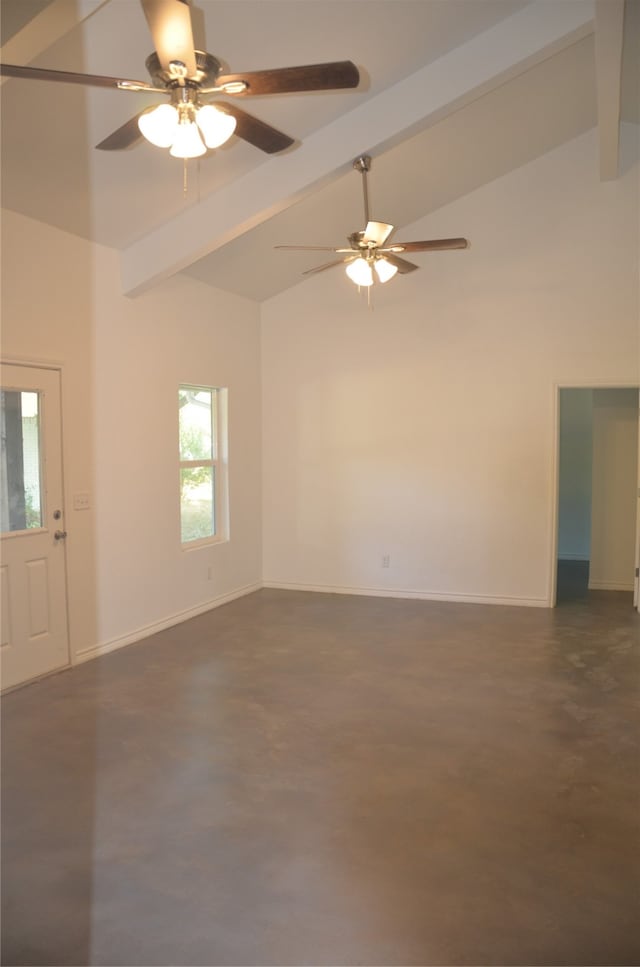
[(453, 94)]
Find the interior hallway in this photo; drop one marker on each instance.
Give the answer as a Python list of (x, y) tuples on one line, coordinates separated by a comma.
[(573, 583), (300, 778)]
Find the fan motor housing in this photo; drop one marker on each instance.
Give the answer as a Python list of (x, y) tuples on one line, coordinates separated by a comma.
[(208, 68), (357, 240)]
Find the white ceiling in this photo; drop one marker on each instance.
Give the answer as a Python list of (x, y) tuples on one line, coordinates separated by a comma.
[(453, 93)]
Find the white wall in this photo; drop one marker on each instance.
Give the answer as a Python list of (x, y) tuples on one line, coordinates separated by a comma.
[(615, 480), (47, 318), (122, 362), (180, 332), (425, 428), (574, 497)]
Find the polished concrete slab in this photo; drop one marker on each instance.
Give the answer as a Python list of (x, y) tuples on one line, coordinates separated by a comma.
[(303, 778)]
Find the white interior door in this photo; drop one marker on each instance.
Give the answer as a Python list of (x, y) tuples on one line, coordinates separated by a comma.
[(34, 637)]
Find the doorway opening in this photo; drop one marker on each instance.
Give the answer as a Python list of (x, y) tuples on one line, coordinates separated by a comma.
[(596, 547)]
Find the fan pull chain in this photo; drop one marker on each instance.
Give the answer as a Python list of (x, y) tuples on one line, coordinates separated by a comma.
[(369, 299), (185, 180)]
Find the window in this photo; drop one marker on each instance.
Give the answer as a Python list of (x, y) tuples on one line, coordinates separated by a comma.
[(21, 501), (202, 464)]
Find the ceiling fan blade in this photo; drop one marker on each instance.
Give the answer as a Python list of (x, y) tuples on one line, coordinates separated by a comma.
[(433, 245), (170, 25), (256, 132), (290, 80), (402, 265), (377, 232), (68, 77), (124, 137), (326, 265), (307, 248), (320, 248)]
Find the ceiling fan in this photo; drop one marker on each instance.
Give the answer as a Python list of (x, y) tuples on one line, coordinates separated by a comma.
[(190, 78), (370, 256)]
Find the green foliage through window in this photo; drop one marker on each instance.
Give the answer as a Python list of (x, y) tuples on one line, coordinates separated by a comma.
[(197, 445)]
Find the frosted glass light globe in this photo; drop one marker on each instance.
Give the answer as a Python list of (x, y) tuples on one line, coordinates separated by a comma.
[(159, 125), (360, 272), (384, 270), (187, 142), (216, 126)]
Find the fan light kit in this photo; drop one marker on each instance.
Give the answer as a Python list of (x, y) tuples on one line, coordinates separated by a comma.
[(361, 272), (186, 127), (189, 125), (370, 258)]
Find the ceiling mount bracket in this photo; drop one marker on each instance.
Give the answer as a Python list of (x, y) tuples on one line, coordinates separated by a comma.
[(363, 163)]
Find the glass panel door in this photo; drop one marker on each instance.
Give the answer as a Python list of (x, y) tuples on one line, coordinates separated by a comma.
[(20, 465)]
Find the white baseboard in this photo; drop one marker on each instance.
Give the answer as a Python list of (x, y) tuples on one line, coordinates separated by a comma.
[(420, 595), (609, 586), (95, 651)]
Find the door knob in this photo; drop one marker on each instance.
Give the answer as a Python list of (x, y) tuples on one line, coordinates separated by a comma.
[(60, 535)]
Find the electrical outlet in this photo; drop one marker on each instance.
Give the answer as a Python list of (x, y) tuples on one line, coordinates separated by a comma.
[(210, 573), (81, 501), (386, 560)]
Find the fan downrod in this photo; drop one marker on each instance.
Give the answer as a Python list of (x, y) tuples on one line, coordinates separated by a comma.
[(363, 165)]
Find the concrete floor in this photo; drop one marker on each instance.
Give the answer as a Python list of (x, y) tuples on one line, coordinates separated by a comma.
[(320, 779)]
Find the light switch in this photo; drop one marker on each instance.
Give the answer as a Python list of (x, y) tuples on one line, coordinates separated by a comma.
[(81, 502)]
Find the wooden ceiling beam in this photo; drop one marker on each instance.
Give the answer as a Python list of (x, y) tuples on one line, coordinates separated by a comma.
[(609, 35)]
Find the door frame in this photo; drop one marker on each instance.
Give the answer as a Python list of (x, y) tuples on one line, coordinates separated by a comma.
[(27, 362), (555, 469)]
